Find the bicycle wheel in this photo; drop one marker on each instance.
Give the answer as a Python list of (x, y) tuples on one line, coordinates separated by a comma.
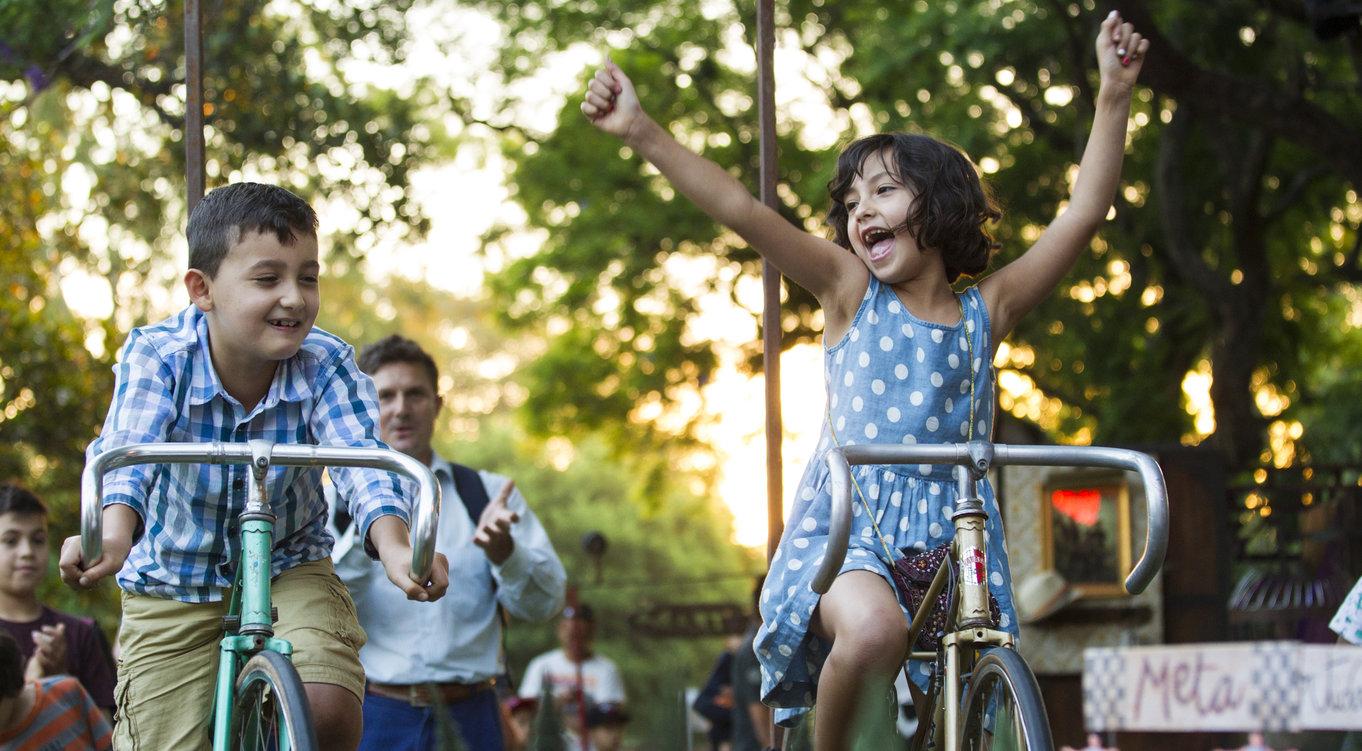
[(271, 707), (1003, 707)]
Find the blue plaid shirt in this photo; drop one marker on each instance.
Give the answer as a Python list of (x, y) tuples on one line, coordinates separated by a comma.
[(167, 390)]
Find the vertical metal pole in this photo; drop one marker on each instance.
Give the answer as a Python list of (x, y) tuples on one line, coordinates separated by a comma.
[(193, 105), (770, 277), (770, 282)]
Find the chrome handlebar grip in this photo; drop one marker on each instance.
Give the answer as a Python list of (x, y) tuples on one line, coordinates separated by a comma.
[(424, 518), (974, 455), (839, 523)]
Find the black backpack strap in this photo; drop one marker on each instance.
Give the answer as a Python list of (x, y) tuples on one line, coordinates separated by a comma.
[(471, 489), (467, 482)]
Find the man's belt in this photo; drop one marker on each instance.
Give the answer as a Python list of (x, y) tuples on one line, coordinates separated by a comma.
[(427, 694)]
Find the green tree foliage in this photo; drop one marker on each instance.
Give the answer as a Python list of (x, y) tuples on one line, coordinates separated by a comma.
[(91, 114), (52, 389), (93, 92), (1234, 239), (92, 164)]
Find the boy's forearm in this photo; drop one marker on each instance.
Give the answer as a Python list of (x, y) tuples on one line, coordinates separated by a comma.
[(120, 523), (389, 536), (1099, 173), (706, 184)]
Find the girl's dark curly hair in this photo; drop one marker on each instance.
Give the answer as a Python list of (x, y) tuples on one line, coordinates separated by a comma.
[(951, 207)]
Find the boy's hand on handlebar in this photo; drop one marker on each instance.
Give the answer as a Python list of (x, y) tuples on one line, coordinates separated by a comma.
[(393, 544), (611, 103), (399, 573), (119, 524), (78, 575)]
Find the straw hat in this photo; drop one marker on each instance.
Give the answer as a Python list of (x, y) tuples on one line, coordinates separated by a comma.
[(1042, 594)]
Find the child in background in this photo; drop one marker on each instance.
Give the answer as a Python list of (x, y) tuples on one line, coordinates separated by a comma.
[(50, 642), (242, 362), (907, 359), (46, 714)]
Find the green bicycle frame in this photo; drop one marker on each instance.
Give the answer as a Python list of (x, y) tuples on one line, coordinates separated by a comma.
[(249, 624)]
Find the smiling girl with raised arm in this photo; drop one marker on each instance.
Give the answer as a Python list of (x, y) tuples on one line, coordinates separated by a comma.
[(907, 359)]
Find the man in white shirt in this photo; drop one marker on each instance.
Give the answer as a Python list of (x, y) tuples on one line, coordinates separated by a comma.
[(503, 561), (577, 678)]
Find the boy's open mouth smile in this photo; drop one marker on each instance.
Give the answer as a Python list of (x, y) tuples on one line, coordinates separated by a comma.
[(878, 242), (283, 323)]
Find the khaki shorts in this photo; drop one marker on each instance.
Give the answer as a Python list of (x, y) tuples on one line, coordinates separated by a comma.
[(168, 655)]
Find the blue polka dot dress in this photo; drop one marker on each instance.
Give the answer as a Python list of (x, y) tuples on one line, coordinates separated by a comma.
[(891, 379)]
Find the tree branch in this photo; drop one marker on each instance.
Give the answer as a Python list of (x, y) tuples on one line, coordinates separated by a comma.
[(464, 111), (1289, 197), (1288, 115), (1172, 213), (86, 71), (1077, 47), (1291, 9)]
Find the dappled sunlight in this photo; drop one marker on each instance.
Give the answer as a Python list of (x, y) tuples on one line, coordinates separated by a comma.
[(1354, 297), (735, 405), (1020, 396), (1282, 436), (1196, 400), (1270, 401), (22, 401)]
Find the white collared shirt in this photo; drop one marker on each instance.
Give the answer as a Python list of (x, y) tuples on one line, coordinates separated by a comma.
[(458, 637)]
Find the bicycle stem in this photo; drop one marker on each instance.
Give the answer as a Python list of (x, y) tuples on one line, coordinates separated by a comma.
[(424, 517)]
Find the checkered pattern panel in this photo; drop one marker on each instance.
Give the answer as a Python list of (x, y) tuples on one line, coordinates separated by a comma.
[(1276, 704), (1103, 691)]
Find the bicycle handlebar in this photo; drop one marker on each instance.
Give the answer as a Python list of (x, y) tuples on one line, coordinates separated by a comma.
[(424, 519), (976, 455)]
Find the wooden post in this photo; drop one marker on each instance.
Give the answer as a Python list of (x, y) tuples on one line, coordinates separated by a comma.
[(770, 282), (770, 277), (193, 105)]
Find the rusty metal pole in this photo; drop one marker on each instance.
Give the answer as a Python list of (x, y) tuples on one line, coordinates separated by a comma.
[(193, 105), (770, 281), (770, 276)]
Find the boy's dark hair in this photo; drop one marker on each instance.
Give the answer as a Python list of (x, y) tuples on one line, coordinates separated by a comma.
[(17, 500), (226, 214), (11, 666), (951, 206), (396, 348)]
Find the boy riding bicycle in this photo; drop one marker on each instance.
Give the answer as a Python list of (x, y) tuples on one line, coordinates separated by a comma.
[(242, 362)]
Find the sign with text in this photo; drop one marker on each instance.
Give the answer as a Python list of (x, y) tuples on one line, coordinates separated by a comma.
[(1276, 685)]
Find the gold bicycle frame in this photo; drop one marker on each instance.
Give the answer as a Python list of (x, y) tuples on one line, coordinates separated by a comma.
[(973, 626)]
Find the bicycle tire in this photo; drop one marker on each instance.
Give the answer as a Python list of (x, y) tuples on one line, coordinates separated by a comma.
[(1003, 708), (270, 698)]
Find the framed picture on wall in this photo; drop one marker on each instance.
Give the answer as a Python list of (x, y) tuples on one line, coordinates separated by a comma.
[(1085, 526)]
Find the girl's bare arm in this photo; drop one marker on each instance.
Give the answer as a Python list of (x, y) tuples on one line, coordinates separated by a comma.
[(816, 264), (1018, 287)]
